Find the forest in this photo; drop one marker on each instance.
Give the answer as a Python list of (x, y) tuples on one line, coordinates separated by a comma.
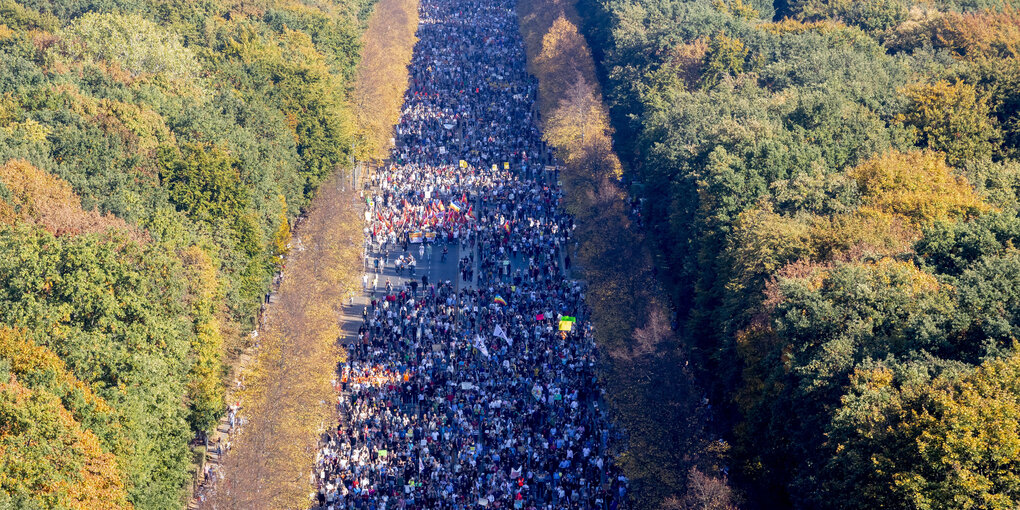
[(798, 218), (154, 155), (830, 190)]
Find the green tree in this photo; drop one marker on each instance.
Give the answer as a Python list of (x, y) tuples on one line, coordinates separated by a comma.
[(726, 57), (131, 41), (907, 438), (952, 118), (870, 15), (111, 309)]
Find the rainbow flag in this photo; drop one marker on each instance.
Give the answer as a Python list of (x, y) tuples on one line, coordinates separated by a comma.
[(499, 300)]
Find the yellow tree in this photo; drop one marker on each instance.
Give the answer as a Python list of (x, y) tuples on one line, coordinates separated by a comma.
[(918, 185), (381, 77), (288, 396), (49, 421), (38, 197), (952, 118)]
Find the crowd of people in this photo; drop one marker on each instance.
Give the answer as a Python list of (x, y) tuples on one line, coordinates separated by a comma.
[(480, 392)]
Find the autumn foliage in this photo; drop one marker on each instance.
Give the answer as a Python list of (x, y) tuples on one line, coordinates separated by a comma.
[(917, 185), (52, 460), (382, 73), (288, 397), (646, 382), (153, 158), (830, 194), (48, 201)]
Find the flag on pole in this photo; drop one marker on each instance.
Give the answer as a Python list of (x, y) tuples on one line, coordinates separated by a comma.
[(499, 300), (480, 345), (499, 333)]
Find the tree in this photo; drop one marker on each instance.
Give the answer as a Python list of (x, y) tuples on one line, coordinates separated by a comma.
[(907, 438), (203, 182), (49, 460), (111, 310), (131, 41), (40, 369), (918, 185), (288, 390), (870, 15), (382, 73), (563, 59), (952, 118), (153, 156), (205, 377), (37, 197), (726, 57)]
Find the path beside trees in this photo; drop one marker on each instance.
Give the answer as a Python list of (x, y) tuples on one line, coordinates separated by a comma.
[(284, 387), (646, 375)]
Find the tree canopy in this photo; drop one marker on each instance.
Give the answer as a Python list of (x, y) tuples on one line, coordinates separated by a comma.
[(153, 157), (830, 191)]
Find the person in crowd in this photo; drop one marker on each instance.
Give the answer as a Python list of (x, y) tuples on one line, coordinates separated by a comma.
[(479, 393)]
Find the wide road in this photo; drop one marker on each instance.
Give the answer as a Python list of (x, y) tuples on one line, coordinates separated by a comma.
[(479, 392)]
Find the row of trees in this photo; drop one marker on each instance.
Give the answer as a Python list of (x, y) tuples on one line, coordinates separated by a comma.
[(288, 398), (830, 190), (152, 157), (289, 390), (381, 77), (647, 384)]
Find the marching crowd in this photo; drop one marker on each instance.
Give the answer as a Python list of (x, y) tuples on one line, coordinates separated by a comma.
[(480, 392)]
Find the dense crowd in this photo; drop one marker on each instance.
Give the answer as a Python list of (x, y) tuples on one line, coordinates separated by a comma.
[(480, 392)]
